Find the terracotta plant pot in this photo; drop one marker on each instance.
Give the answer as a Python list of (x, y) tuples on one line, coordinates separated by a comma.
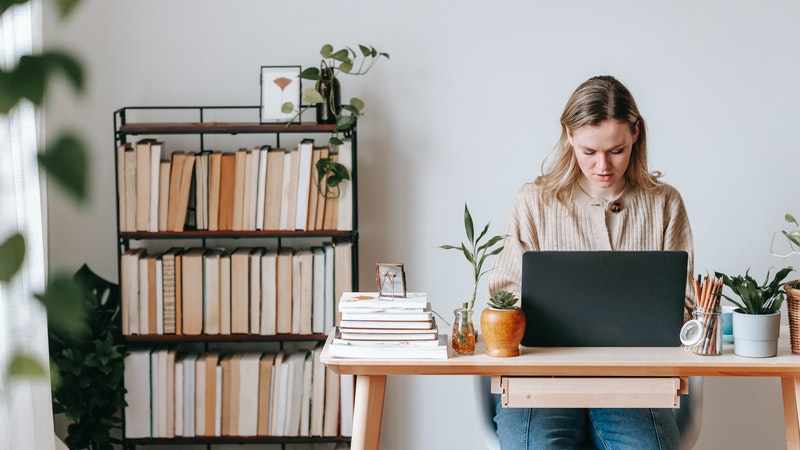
[(502, 330)]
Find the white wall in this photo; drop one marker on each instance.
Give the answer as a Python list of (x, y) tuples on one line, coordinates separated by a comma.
[(465, 111)]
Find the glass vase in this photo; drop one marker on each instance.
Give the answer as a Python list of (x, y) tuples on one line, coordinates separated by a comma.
[(328, 87), (463, 338)]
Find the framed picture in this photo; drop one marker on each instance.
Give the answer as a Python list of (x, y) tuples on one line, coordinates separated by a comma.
[(279, 84), (391, 279)]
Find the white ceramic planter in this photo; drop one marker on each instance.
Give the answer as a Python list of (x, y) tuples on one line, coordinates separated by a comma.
[(756, 335)]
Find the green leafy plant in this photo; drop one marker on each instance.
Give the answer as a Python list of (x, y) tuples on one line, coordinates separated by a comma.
[(64, 160), (475, 251), (333, 64), (503, 300), (755, 298), (793, 238), (90, 367)]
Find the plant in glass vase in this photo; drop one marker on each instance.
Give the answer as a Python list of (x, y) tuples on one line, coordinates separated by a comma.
[(325, 97), (476, 251)]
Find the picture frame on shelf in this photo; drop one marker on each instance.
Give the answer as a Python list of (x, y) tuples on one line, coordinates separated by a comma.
[(391, 280), (279, 84)]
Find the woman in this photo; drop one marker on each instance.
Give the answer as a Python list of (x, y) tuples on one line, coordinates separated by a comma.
[(596, 194)]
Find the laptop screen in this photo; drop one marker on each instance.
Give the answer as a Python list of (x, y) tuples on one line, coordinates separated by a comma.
[(603, 298)]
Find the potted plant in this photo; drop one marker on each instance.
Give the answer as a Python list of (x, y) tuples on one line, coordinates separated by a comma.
[(325, 97), (756, 319), (476, 251), (502, 325)]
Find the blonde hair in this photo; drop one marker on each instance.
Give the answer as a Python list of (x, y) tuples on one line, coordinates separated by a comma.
[(596, 100)]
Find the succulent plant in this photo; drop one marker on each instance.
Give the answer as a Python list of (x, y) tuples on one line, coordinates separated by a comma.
[(502, 300)]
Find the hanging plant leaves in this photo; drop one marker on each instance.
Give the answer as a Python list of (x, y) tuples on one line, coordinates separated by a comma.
[(66, 162), (12, 254), (66, 308), (5, 4), (65, 7)]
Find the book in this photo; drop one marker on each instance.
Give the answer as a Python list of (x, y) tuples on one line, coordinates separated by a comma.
[(170, 399), (331, 215), (274, 188), (250, 190), (389, 350), (240, 290), (294, 391), (304, 151), (388, 324), (226, 191), (306, 290), (346, 405), (168, 287), (179, 291), (214, 187), (211, 363), (164, 169), (212, 275), (289, 199), (137, 395), (342, 272), (255, 290), (218, 403), (239, 183), (192, 289), (225, 293), (264, 392), (248, 393), (330, 421), (152, 297), (158, 387), (305, 397), (201, 189), (120, 161), (179, 400), (156, 154), (189, 372), (225, 411), (128, 208), (275, 404), (315, 202), (390, 314), (144, 294), (369, 334), (200, 396), (180, 187), (381, 343), (261, 185), (297, 283), (317, 413), (318, 291), (344, 221), (284, 378), (129, 290), (159, 295), (143, 169), (372, 300), (330, 300), (283, 308), (269, 292)]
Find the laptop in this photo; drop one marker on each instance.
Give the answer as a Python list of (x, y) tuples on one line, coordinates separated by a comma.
[(603, 298)]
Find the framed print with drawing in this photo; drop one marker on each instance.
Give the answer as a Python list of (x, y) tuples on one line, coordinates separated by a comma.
[(391, 279), (279, 84)]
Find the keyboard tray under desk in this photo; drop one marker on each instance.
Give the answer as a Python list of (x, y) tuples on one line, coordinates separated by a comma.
[(590, 392)]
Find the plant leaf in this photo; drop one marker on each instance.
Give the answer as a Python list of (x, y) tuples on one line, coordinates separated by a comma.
[(5, 4), (12, 254), (65, 7), (311, 73), (790, 218), (326, 51), (66, 161), (311, 97), (287, 107), (468, 226), (25, 365), (357, 103), (342, 56), (346, 67), (66, 308)]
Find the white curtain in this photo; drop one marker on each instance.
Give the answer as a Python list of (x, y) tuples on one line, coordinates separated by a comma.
[(26, 419)]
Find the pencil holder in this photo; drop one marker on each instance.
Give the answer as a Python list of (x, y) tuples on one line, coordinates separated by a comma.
[(710, 328)]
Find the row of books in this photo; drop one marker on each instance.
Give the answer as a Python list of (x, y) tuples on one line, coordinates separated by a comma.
[(247, 290), (263, 188), (388, 328), (171, 393)]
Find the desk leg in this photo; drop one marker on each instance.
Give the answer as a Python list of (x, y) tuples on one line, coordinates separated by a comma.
[(791, 413), (368, 412)]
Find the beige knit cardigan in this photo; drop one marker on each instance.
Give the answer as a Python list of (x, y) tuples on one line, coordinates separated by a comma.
[(637, 220)]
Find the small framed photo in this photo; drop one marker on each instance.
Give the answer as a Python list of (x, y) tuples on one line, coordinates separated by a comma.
[(279, 84), (391, 279)]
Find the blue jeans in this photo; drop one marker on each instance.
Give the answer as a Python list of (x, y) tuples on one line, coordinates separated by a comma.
[(575, 428)]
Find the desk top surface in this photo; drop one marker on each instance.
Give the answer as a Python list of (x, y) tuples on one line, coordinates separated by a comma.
[(581, 361)]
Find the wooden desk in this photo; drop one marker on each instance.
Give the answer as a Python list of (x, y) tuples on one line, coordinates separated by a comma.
[(619, 362)]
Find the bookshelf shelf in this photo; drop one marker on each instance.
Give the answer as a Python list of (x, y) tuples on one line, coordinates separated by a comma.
[(231, 127)]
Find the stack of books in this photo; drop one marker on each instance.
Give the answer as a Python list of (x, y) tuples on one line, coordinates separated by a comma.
[(371, 326)]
